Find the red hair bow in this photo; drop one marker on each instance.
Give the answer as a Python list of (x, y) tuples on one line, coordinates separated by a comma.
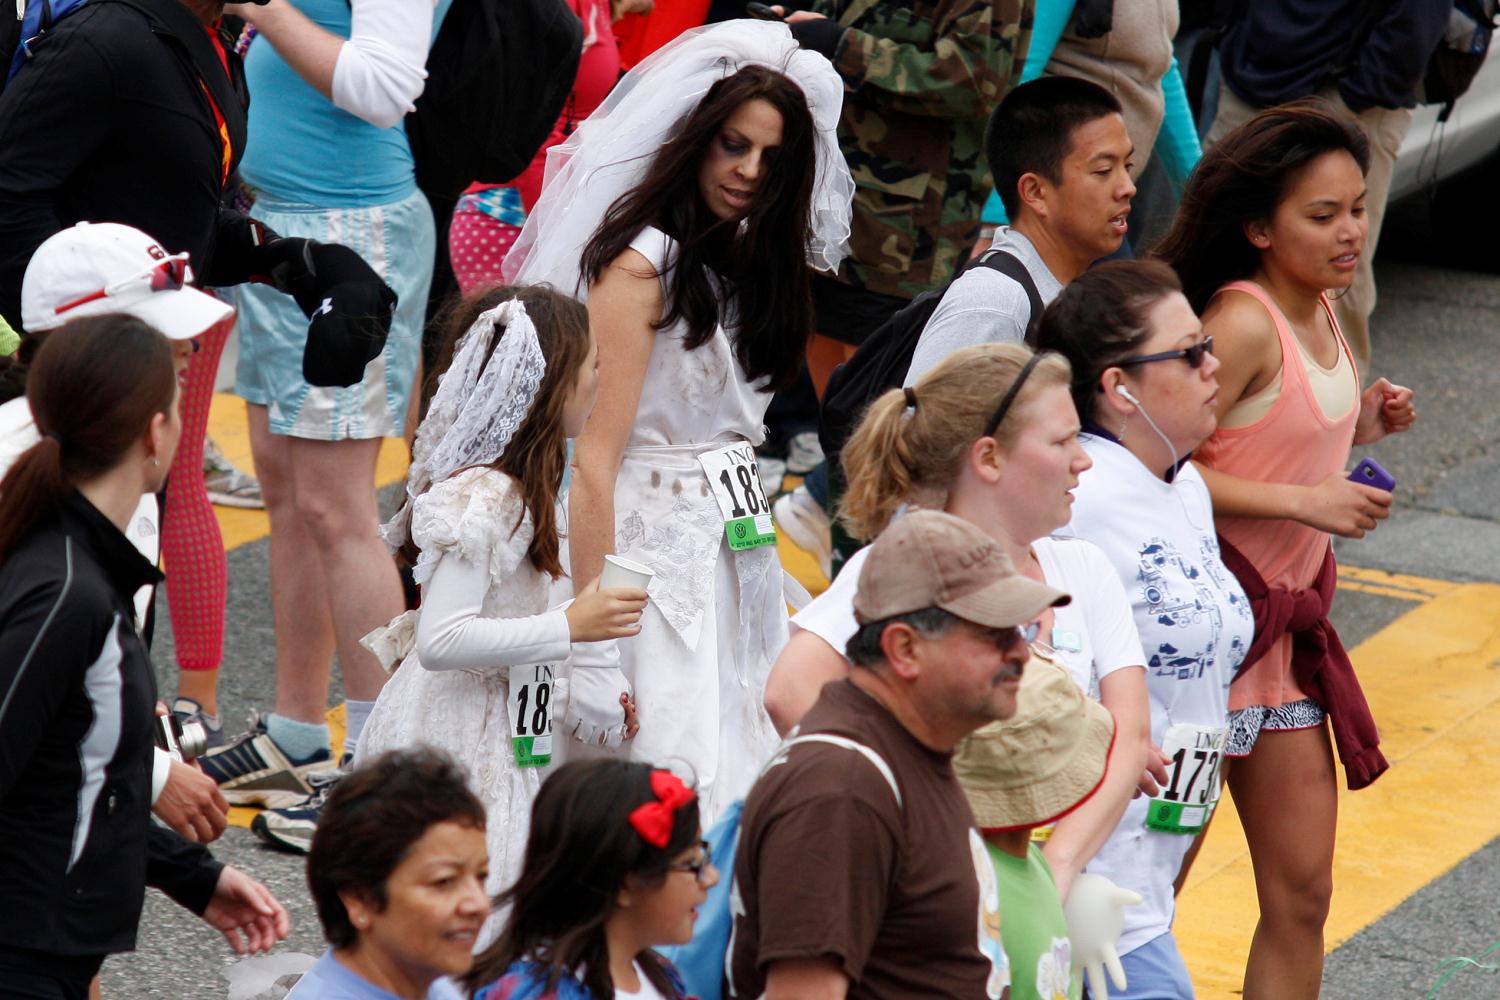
[(654, 820)]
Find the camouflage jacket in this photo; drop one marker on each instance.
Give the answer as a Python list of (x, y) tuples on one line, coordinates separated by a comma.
[(920, 80)]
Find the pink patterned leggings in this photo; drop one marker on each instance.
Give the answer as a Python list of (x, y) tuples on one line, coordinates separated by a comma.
[(192, 547)]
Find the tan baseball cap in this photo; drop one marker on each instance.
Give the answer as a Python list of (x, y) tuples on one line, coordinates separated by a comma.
[(928, 559), (1044, 761)]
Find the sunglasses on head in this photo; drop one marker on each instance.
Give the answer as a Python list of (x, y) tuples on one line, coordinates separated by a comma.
[(1192, 355), (166, 275)]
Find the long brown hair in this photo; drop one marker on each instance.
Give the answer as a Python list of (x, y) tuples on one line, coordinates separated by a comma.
[(1242, 179), (538, 454), (766, 297), (94, 388), (580, 853), (894, 456)]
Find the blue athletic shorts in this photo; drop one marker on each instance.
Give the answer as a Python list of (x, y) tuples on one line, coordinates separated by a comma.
[(397, 240), (1154, 971)]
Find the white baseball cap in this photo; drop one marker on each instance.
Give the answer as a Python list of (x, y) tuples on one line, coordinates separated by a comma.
[(105, 267)]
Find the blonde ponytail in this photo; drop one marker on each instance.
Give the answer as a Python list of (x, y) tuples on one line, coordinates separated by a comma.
[(903, 453)]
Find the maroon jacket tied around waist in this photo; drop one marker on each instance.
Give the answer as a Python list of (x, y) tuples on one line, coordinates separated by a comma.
[(1319, 662)]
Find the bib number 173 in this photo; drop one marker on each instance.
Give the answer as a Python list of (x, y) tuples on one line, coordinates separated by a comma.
[(1192, 790), (530, 708)]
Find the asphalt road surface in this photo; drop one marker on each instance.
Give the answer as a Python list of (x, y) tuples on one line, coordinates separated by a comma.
[(1435, 330)]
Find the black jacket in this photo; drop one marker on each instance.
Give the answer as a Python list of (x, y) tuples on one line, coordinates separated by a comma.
[(1280, 50), (77, 698), (109, 122)]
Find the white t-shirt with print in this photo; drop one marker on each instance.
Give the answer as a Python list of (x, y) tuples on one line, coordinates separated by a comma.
[(1093, 636), (1195, 627)]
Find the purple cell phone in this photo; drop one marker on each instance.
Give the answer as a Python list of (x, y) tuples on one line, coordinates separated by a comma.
[(1372, 473)]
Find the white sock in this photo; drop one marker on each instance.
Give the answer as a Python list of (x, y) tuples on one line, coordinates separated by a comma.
[(356, 713)]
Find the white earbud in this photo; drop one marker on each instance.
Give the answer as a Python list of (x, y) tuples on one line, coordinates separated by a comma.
[(1121, 390)]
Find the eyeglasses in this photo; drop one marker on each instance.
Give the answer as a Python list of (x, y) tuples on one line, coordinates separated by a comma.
[(700, 867), (1007, 638), (1192, 355), (165, 275)]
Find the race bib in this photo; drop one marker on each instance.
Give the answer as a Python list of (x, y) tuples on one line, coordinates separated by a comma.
[(530, 707), (1187, 801), (735, 478)]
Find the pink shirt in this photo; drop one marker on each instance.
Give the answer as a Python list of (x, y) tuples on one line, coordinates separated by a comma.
[(1295, 442)]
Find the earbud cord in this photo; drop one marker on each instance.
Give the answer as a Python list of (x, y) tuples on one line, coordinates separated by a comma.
[(1172, 452)]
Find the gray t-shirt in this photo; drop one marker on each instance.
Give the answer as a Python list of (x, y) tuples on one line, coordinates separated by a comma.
[(983, 307)]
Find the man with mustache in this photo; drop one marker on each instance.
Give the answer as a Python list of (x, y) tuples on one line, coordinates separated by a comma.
[(856, 873)]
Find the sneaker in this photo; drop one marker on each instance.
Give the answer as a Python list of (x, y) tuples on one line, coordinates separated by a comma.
[(804, 453), (801, 519), (252, 770), (227, 485), (772, 473), (186, 710), (292, 827)]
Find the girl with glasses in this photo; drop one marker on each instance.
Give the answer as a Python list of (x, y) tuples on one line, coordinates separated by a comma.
[(1133, 341), (990, 435), (615, 867), (1274, 217)]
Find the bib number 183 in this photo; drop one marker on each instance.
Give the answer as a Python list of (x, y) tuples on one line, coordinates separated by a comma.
[(530, 708), (735, 478)]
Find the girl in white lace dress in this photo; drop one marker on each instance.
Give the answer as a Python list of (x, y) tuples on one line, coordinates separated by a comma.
[(480, 526), (707, 183)]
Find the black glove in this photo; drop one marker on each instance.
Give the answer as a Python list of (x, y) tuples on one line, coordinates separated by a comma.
[(819, 34), (348, 306)]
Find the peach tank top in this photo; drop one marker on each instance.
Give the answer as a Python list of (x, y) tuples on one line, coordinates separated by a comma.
[(1294, 442)]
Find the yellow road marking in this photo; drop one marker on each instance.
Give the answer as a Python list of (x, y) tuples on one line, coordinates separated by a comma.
[(1433, 681), (1398, 594), (1420, 587)]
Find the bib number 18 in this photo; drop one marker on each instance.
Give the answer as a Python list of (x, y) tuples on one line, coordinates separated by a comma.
[(530, 709)]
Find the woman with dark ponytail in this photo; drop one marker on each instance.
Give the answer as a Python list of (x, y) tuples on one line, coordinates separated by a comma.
[(76, 686)]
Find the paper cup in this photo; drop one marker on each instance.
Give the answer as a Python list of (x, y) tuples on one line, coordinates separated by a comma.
[(622, 572)]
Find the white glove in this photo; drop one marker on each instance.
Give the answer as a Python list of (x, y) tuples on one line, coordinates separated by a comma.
[(1095, 911), (595, 715)]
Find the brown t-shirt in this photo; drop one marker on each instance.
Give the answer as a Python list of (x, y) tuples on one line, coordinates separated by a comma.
[(831, 866)]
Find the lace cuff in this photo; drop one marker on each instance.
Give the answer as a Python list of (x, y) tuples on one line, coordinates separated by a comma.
[(394, 642)]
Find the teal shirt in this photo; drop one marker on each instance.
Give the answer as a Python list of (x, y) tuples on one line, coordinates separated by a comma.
[(301, 148), (1033, 928)]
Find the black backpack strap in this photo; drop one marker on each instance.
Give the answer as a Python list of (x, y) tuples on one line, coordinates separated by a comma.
[(1010, 265)]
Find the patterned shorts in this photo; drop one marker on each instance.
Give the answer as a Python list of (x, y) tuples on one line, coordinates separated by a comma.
[(1246, 724), (485, 224), (398, 241)]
